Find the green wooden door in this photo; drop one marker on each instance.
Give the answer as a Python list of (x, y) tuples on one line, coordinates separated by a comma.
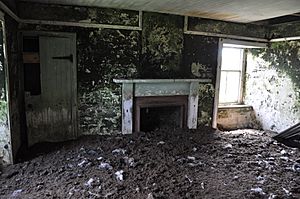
[(51, 116)]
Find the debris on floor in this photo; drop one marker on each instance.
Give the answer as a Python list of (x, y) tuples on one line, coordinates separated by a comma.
[(163, 164)]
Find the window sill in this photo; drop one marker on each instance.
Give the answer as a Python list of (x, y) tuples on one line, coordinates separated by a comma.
[(234, 106)]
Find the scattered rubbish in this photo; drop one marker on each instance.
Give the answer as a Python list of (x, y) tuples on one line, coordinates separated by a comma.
[(105, 165), (283, 152), (89, 182), (16, 192), (119, 151), (188, 179), (150, 196), (258, 156), (191, 164), (261, 179), (258, 190), (92, 152), (161, 142), (235, 177), (129, 161), (82, 163), (119, 175), (137, 189), (202, 185), (271, 159), (72, 190), (94, 194), (228, 146), (272, 196), (296, 167), (284, 158), (191, 158), (100, 158), (287, 192), (194, 149)]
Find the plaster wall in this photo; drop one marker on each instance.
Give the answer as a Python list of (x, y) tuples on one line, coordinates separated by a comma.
[(272, 86), (160, 50)]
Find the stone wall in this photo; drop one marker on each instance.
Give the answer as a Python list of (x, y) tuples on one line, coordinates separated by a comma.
[(237, 117), (273, 85)]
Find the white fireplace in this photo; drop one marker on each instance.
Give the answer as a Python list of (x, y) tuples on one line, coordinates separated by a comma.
[(159, 93)]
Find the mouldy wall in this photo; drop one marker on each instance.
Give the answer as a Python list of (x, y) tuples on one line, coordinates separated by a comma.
[(273, 85), (155, 52), (200, 61), (5, 144), (285, 30), (15, 90), (222, 27)]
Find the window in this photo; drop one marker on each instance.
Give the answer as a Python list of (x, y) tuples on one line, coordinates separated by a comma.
[(232, 67)]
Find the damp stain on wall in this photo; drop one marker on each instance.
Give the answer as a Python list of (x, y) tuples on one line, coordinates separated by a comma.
[(160, 50), (273, 87), (162, 44)]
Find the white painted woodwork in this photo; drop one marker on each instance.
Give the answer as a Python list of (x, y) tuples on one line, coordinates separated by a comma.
[(159, 87)]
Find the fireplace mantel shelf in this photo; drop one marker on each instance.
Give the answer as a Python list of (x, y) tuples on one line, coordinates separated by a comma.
[(160, 80), (134, 88)]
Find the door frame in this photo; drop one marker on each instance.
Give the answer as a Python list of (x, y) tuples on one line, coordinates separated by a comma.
[(72, 37), (7, 87)]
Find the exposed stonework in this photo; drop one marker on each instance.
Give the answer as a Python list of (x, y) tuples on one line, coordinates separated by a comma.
[(239, 117)]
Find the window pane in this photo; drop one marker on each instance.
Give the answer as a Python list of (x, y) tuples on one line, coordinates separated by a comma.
[(232, 59), (229, 87)]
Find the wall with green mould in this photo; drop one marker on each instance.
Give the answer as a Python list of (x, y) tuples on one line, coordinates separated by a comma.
[(10, 134), (4, 128), (162, 44), (200, 61), (273, 84), (230, 28), (285, 30), (160, 50), (102, 55)]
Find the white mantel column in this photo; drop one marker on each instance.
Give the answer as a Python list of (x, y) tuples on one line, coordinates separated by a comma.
[(127, 108), (192, 115)]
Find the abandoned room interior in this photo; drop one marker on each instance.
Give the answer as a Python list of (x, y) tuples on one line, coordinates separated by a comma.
[(149, 99)]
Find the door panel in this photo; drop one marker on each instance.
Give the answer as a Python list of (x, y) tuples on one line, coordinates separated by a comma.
[(51, 116)]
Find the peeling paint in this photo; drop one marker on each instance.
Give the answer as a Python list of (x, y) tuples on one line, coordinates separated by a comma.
[(162, 46), (159, 51), (273, 77)]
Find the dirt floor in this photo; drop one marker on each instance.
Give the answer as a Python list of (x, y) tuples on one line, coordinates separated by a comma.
[(163, 164)]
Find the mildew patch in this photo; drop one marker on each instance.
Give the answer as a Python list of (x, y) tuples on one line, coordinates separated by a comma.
[(205, 104), (273, 87), (162, 46), (230, 28)]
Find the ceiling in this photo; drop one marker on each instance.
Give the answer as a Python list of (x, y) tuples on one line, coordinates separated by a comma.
[(244, 11)]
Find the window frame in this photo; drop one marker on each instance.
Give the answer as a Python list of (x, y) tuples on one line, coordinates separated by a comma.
[(241, 76), (238, 43)]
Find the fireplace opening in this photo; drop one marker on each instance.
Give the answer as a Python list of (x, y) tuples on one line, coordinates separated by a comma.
[(157, 112), (152, 118)]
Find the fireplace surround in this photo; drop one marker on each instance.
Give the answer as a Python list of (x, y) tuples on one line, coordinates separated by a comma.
[(139, 93)]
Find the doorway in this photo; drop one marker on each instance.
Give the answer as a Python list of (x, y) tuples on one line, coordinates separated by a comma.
[(50, 85)]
